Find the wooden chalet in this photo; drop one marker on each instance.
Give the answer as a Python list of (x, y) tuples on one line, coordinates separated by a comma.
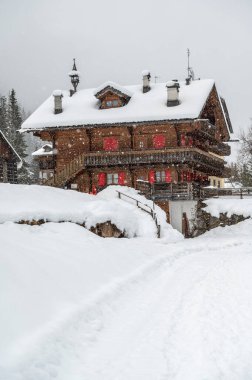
[(44, 157), (157, 137), (10, 161)]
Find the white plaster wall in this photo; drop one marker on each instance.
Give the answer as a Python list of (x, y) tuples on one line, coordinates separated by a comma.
[(177, 208)]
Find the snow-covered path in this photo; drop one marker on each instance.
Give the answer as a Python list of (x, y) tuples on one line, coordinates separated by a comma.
[(184, 315)]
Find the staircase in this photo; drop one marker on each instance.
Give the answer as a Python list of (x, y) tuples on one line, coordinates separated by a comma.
[(143, 207), (69, 172)]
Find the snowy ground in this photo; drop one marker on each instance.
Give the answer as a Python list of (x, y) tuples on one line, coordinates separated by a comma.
[(76, 306)]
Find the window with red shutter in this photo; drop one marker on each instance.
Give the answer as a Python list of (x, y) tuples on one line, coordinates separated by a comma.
[(159, 141), (188, 177), (168, 176), (190, 141), (101, 179), (121, 178), (183, 140), (110, 143), (151, 176)]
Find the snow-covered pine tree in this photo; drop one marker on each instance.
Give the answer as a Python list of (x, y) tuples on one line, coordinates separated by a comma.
[(245, 158), (3, 114), (13, 124)]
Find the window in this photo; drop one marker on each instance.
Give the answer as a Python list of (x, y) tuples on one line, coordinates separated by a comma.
[(214, 182), (141, 144), (218, 184), (160, 176), (112, 179), (110, 143), (159, 141), (112, 103)]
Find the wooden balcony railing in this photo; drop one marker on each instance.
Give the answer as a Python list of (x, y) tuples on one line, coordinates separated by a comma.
[(191, 156), (170, 191)]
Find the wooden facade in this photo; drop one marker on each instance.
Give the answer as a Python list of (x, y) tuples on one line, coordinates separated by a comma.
[(92, 156), (9, 161)]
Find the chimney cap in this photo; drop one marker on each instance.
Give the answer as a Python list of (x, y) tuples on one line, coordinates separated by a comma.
[(172, 83), (146, 73), (57, 93)]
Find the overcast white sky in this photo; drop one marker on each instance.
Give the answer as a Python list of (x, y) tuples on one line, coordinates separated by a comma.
[(115, 40)]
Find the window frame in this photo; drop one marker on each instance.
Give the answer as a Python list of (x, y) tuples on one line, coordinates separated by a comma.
[(160, 176), (112, 178)]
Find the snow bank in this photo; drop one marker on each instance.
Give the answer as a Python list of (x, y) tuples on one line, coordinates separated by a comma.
[(231, 206), (75, 306), (46, 271), (23, 202)]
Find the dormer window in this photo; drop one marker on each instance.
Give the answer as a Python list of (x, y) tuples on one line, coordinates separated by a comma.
[(112, 95)]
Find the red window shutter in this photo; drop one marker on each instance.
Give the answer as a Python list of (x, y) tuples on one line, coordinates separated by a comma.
[(110, 143), (159, 141), (188, 176), (121, 178), (151, 176), (190, 141), (183, 140), (102, 179), (168, 176)]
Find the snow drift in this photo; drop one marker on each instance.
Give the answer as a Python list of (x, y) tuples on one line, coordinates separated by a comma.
[(27, 203)]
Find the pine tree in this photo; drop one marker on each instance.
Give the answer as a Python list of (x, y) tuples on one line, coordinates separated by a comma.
[(245, 158), (3, 114), (13, 124)]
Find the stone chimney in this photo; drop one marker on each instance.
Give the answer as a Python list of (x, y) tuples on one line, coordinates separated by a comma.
[(146, 80), (57, 101), (172, 93)]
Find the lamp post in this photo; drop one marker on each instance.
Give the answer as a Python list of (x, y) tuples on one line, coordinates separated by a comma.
[(75, 79)]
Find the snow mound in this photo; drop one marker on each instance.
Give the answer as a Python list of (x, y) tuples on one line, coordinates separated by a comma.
[(27, 203), (231, 206)]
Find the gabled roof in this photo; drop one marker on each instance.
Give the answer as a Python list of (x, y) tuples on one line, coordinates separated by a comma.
[(82, 109), (45, 150), (19, 159), (114, 87), (226, 114)]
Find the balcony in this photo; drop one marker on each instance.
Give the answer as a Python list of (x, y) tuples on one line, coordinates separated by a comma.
[(209, 142), (170, 191), (191, 156)]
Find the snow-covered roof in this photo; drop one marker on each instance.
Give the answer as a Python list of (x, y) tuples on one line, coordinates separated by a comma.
[(45, 150), (83, 108), (20, 161)]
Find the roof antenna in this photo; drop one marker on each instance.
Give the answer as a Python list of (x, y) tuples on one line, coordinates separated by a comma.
[(190, 71)]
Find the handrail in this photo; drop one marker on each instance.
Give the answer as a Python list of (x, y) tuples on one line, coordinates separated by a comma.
[(151, 212)]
